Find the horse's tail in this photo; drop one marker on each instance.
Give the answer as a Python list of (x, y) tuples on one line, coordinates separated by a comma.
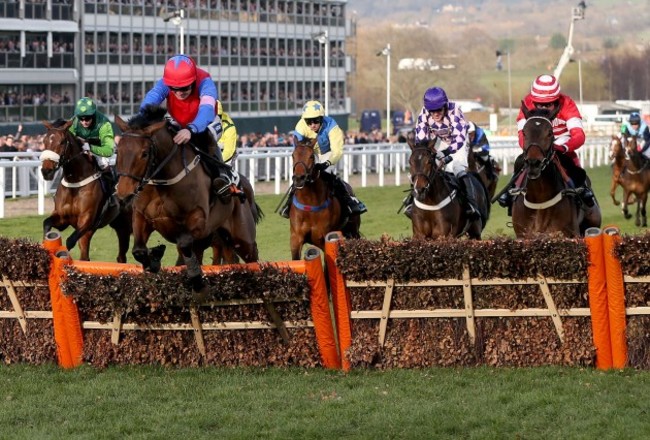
[(258, 214)]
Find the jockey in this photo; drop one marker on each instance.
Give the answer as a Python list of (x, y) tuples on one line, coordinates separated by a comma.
[(191, 96), (567, 129), (97, 132), (228, 142), (480, 145), (636, 127), (329, 147), (442, 120)]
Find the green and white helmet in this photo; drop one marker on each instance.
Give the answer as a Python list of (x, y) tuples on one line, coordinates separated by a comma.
[(85, 107)]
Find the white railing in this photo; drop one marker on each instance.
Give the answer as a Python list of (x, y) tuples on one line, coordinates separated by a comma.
[(20, 174)]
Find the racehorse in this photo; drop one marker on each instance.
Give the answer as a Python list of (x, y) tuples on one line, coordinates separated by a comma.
[(79, 200), (489, 181), (172, 193), (315, 211), (617, 156), (635, 179), (545, 203), (438, 210)]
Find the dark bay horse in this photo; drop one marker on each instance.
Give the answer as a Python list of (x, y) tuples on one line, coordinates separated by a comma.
[(172, 193), (79, 201), (546, 204), (438, 210), (315, 211), (635, 180)]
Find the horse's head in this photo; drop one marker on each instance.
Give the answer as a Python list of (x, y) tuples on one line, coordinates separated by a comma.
[(304, 161), (616, 149), (538, 139), (59, 144), (422, 164), (142, 137)]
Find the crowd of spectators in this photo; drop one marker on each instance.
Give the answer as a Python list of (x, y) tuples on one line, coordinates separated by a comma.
[(19, 142)]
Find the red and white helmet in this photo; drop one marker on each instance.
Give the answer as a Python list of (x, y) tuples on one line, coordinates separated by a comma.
[(180, 71), (545, 88)]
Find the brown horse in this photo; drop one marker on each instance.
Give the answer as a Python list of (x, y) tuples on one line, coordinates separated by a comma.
[(489, 181), (438, 210), (617, 156), (172, 193), (79, 201), (546, 204), (314, 211), (635, 180)]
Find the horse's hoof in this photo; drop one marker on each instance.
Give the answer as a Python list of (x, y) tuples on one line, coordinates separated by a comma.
[(200, 296)]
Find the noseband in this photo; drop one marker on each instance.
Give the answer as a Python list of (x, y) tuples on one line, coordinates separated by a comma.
[(309, 170), (550, 151)]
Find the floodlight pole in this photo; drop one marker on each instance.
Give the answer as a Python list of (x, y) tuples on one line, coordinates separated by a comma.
[(176, 17), (323, 38), (386, 52), (577, 13)]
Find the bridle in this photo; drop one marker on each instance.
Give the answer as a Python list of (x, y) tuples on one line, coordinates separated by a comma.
[(151, 170), (309, 169), (65, 157), (550, 151), (430, 177)]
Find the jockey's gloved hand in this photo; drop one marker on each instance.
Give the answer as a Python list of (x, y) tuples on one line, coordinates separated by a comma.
[(323, 165), (440, 155), (85, 147), (561, 148)]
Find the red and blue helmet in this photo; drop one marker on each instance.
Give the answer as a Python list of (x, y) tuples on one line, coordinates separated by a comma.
[(180, 71)]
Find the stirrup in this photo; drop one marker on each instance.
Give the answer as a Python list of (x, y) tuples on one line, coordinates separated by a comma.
[(408, 211)]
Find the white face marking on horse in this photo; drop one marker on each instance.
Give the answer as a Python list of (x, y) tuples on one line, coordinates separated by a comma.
[(538, 123)]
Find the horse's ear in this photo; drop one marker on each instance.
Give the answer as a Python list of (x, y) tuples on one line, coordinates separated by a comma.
[(150, 130), (121, 123), (67, 125), (554, 113), (410, 139), (47, 124)]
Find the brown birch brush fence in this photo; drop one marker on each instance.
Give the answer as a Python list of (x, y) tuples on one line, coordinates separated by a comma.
[(502, 302), (396, 304), (105, 313)]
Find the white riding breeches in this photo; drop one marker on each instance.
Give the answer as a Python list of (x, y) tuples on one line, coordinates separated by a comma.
[(459, 163)]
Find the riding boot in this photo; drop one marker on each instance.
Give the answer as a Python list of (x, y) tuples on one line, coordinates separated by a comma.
[(354, 205), (472, 207), (287, 206), (587, 196), (408, 204)]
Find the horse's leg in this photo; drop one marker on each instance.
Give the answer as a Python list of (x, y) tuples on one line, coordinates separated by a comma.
[(624, 203), (243, 233), (644, 219), (612, 188), (185, 243), (296, 242), (141, 233)]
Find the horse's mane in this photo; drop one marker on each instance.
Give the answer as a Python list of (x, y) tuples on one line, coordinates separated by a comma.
[(150, 115), (59, 123)]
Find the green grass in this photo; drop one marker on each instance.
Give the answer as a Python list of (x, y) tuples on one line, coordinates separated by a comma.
[(469, 403), (381, 218), (154, 402)]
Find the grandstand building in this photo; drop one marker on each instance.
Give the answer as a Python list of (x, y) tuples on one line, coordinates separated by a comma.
[(267, 56)]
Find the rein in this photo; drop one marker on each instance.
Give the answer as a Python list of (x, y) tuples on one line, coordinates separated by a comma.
[(151, 172), (65, 159)]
